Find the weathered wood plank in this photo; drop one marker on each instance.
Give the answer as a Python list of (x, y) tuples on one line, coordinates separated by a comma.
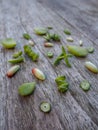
[(74, 110), (59, 29), (81, 14)]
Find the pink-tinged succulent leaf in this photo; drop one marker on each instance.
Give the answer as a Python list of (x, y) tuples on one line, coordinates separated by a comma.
[(90, 66), (38, 74), (48, 44), (13, 70)]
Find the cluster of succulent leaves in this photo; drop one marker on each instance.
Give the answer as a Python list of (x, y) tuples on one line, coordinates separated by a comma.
[(62, 84), (46, 34), (52, 37), (61, 81), (28, 50), (64, 55)]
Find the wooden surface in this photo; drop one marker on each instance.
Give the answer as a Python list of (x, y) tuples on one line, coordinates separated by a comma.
[(74, 110)]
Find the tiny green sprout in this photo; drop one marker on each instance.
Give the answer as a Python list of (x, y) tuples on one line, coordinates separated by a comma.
[(50, 54), (64, 56), (27, 36), (67, 32)]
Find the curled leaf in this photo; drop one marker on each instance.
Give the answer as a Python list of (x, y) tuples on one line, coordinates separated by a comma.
[(17, 54), (16, 60)]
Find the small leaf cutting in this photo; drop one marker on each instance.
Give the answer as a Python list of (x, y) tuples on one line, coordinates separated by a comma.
[(62, 56)]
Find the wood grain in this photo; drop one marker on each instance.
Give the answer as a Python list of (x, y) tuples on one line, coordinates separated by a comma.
[(74, 110)]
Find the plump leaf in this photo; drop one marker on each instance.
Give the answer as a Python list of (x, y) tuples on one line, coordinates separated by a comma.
[(8, 43)]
